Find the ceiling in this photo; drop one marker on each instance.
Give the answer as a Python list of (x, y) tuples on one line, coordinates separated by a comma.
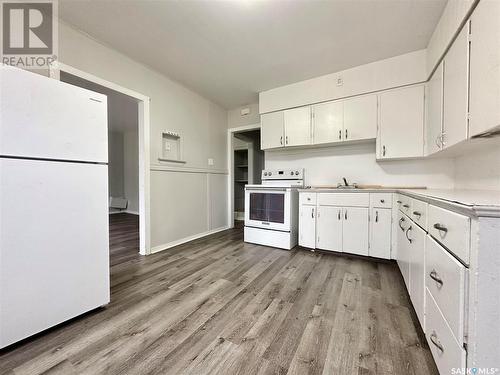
[(228, 51), (123, 113)]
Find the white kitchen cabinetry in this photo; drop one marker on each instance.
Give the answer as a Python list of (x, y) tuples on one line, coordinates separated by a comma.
[(328, 122), (380, 233), (298, 126), (456, 91), (329, 228), (360, 118), (355, 230), (434, 112), (307, 225), (272, 130), (401, 131), (485, 67), (416, 239), (403, 257)]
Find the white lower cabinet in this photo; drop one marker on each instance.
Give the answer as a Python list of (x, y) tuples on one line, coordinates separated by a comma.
[(416, 239), (355, 230), (329, 228), (307, 225), (403, 257), (380, 233)]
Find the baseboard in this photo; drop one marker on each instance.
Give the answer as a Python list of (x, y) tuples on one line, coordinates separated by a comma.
[(169, 245)]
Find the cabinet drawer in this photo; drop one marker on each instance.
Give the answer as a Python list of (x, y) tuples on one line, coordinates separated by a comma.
[(447, 352), (404, 203), (445, 280), (419, 212), (381, 200), (450, 229), (307, 198), (344, 199)]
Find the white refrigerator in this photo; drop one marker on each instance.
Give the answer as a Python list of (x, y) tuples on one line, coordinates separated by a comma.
[(54, 249)]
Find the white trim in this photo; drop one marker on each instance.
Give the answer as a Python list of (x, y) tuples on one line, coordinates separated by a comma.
[(169, 245), (168, 168), (144, 147), (230, 168)]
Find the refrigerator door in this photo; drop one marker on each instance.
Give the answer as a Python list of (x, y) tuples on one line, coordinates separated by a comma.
[(44, 118), (54, 252)]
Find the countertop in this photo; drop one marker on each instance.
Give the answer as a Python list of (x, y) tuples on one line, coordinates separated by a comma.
[(476, 202)]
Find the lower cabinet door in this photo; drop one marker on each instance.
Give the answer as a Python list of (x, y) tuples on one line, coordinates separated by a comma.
[(380, 233), (355, 230), (307, 226), (329, 228), (416, 237), (403, 256)]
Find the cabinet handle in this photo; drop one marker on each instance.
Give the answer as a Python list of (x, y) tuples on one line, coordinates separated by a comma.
[(281, 140), (340, 134), (406, 234), (383, 150), (346, 134), (434, 276), (399, 202), (286, 139), (440, 228), (312, 213), (406, 205), (434, 339), (416, 213), (339, 215), (382, 201), (345, 215), (376, 216), (437, 141), (400, 222)]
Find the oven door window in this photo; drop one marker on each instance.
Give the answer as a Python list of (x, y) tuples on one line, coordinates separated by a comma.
[(267, 207)]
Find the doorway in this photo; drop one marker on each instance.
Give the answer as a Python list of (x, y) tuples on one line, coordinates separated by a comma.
[(246, 165)]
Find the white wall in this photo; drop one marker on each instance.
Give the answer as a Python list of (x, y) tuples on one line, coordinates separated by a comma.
[(131, 170), (479, 169), (189, 191), (327, 166), (115, 163), (235, 119)]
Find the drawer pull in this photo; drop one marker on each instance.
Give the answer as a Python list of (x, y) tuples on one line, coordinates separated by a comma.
[(406, 205), (435, 341), (308, 199), (406, 234), (434, 276), (399, 202), (416, 213), (400, 222), (440, 228), (382, 201)]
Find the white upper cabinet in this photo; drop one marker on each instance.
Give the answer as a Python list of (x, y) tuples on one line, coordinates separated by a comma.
[(360, 118), (298, 126), (272, 130), (401, 132), (485, 67), (456, 90), (328, 122), (434, 112)]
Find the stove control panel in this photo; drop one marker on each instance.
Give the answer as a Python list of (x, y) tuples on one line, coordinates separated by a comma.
[(283, 174)]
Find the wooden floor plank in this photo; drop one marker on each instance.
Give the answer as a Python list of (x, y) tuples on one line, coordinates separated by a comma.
[(217, 305)]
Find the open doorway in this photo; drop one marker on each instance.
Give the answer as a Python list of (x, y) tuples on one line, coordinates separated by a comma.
[(248, 163), (123, 168)]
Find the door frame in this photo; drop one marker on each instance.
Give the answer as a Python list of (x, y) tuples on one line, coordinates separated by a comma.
[(144, 127), (230, 167)]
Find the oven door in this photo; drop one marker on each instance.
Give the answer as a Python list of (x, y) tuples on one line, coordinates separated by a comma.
[(268, 208)]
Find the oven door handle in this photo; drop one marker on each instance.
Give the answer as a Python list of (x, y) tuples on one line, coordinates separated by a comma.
[(258, 190)]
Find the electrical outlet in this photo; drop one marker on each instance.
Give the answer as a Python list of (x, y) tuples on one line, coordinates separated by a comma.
[(167, 146), (210, 161), (340, 81)]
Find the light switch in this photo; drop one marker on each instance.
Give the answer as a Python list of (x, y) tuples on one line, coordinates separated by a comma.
[(210, 161), (167, 146)]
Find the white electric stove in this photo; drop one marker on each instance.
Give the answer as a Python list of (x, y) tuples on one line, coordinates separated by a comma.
[(272, 209)]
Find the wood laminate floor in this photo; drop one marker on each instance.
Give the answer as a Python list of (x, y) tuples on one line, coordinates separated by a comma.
[(218, 305)]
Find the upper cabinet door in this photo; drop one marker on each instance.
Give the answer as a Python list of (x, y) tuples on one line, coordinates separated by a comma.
[(298, 126), (360, 118), (485, 67), (271, 130), (434, 113), (328, 122), (456, 90), (401, 123)]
